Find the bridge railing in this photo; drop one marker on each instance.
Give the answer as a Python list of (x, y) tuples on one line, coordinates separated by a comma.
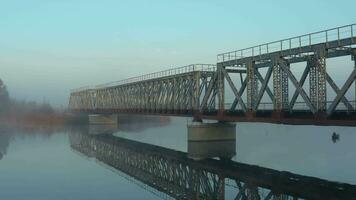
[(325, 36), (155, 75)]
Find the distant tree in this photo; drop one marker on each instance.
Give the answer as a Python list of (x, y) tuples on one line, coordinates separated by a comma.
[(4, 97), (45, 108), (4, 141)]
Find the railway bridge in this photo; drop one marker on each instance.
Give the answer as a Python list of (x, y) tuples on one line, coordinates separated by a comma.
[(286, 81)]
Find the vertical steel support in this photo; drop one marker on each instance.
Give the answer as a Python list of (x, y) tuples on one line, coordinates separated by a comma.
[(93, 99), (313, 83), (322, 84), (252, 86), (221, 89), (280, 86), (354, 59), (284, 86), (277, 104), (317, 83), (174, 97)]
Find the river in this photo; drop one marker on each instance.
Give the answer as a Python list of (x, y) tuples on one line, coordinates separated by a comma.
[(45, 164)]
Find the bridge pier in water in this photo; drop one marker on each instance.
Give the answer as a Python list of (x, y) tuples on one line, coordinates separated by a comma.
[(207, 140), (103, 119)]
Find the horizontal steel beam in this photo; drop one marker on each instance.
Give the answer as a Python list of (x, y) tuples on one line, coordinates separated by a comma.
[(331, 53)]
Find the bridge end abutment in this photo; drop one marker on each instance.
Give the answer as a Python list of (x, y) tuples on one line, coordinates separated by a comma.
[(207, 140)]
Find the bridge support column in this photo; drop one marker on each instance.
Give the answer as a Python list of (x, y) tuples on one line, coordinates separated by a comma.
[(221, 90), (252, 89), (280, 87), (101, 119), (196, 92), (354, 59), (317, 84), (206, 140)]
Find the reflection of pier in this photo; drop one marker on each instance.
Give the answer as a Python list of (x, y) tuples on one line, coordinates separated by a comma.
[(172, 173), (129, 123), (138, 123)]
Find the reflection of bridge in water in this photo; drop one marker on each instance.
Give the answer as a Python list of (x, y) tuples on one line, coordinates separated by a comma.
[(172, 173)]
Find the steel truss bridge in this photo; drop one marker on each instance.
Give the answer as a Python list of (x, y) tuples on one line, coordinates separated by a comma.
[(170, 174), (262, 80)]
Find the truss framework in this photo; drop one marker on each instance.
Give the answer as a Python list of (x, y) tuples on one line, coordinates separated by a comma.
[(200, 92), (283, 100), (180, 93)]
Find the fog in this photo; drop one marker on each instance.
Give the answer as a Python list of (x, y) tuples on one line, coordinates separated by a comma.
[(50, 47)]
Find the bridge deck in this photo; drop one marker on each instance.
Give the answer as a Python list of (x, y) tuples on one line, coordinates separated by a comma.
[(340, 37)]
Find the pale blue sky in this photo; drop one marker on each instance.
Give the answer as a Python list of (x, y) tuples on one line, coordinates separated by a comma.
[(48, 47)]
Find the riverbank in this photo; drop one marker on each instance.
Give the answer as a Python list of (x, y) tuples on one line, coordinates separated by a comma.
[(55, 119), (58, 120)]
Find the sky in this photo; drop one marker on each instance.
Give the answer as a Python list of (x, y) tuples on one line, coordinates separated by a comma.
[(49, 47)]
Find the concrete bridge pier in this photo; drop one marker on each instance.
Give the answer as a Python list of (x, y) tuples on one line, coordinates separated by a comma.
[(103, 119), (207, 140)]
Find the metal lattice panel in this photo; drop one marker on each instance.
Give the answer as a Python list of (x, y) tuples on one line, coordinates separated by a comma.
[(252, 86), (177, 93), (280, 86)]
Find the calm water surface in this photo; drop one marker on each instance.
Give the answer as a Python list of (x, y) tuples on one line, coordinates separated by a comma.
[(41, 164)]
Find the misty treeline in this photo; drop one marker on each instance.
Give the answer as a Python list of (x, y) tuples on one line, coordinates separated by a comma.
[(4, 97), (32, 114), (27, 113), (12, 106)]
